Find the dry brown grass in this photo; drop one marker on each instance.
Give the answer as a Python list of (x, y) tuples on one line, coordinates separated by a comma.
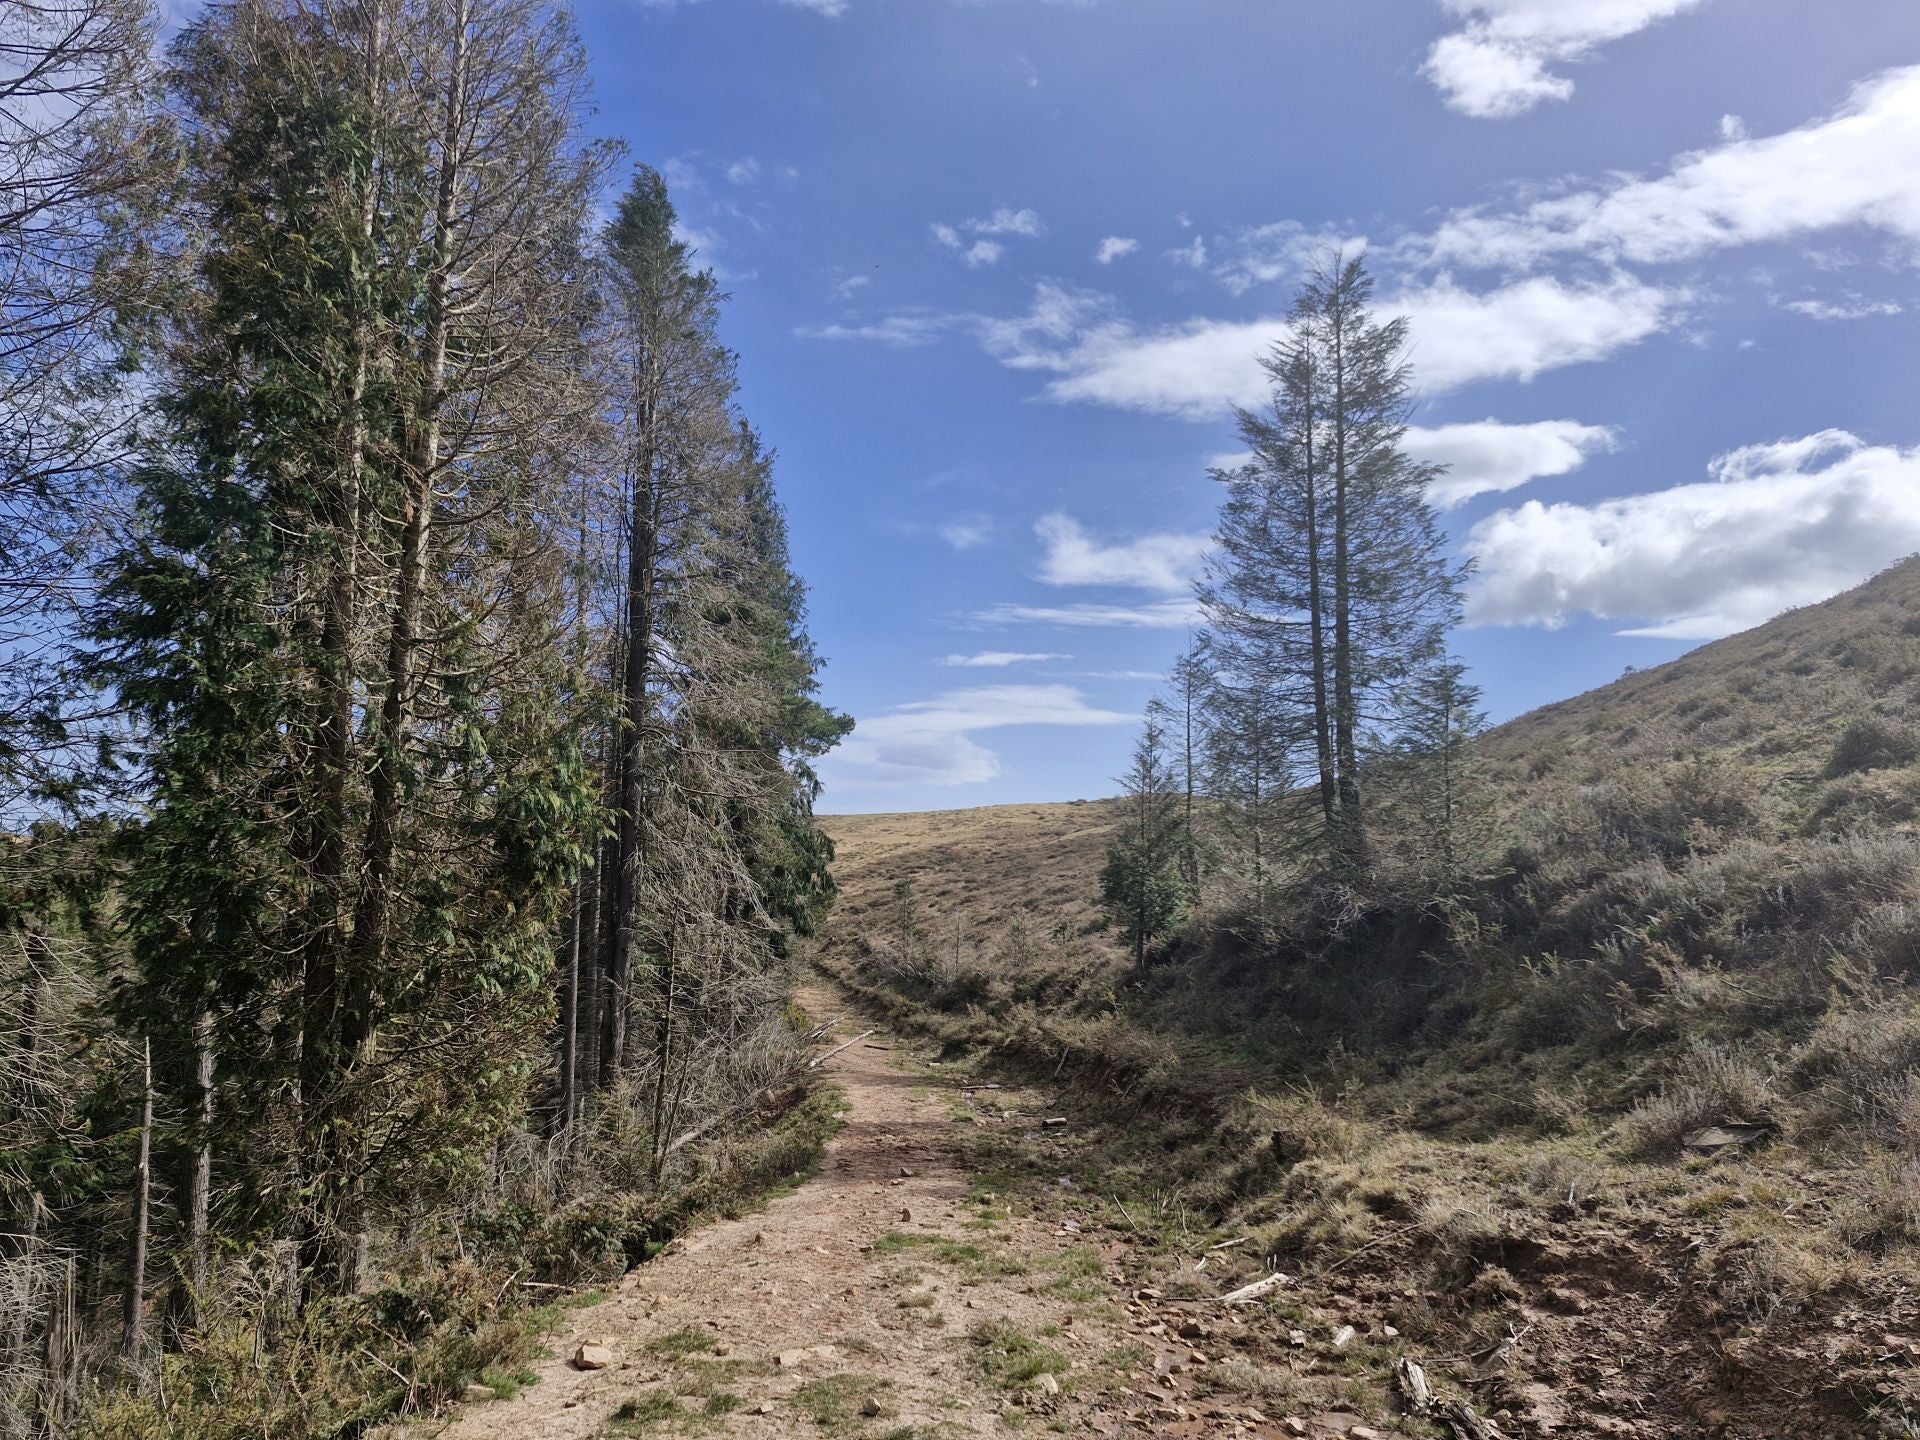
[(1001, 876), (1778, 699)]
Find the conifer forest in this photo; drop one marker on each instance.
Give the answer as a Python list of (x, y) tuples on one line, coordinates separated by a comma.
[(409, 704)]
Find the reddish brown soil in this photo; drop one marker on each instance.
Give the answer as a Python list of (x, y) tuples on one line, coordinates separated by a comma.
[(818, 1279)]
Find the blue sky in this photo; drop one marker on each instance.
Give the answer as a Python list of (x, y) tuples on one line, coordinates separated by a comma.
[(1000, 270)]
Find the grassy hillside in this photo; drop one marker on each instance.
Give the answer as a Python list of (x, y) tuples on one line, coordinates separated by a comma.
[(988, 868), (1776, 699), (1700, 908)]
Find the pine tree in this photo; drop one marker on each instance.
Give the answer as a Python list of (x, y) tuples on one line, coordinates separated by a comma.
[(1188, 725), (1141, 884), (336, 619), (1444, 820), (453, 597), (1251, 777), (1331, 586), (906, 922), (712, 859), (671, 382)]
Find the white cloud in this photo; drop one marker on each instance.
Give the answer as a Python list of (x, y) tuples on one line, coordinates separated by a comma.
[(847, 286), (744, 172), (1852, 308), (1497, 66), (1778, 525), (930, 742), (1461, 336), (1193, 255), (1282, 252), (1486, 456), (999, 659), (904, 330), (1732, 127), (706, 249), (1202, 368), (1160, 615), (1151, 562), (1113, 248), (1858, 166), (1008, 222), (979, 250), (967, 532)]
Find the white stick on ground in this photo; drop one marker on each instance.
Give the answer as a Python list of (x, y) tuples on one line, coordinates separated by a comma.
[(822, 1059), (1254, 1291)]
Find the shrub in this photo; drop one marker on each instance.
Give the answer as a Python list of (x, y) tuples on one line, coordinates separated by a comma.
[(1712, 1085), (1876, 800), (1303, 1127), (1460, 1232), (1885, 1214), (1858, 1072), (1838, 879), (1668, 812), (1779, 1274), (1872, 743), (1887, 939), (1547, 1000)]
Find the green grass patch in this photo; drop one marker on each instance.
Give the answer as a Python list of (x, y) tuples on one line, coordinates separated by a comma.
[(937, 1247), (703, 1376), (684, 1342), (972, 1259), (835, 1401), (505, 1384), (1010, 1357), (1079, 1274), (645, 1412)]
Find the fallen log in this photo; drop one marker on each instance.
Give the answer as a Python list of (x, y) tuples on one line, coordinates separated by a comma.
[(705, 1126)]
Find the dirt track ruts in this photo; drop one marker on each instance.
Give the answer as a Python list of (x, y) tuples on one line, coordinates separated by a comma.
[(803, 1274)]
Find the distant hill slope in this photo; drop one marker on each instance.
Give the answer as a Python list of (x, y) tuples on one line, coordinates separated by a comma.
[(1776, 698), (975, 873), (1815, 709)]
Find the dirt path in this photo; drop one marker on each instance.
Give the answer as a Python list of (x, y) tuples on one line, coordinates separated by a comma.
[(879, 1298)]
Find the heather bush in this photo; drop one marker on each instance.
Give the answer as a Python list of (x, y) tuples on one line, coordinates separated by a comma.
[(1857, 1073), (1884, 1211), (1872, 743), (1711, 1085)]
